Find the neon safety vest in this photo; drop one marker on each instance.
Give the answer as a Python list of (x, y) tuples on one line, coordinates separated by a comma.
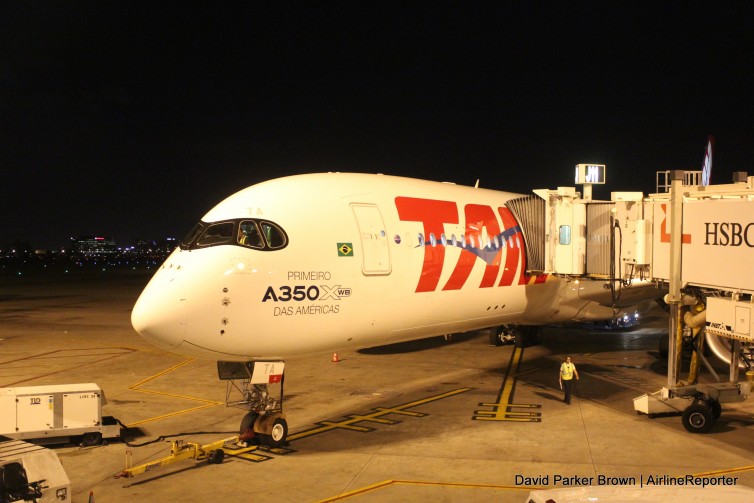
[(566, 371)]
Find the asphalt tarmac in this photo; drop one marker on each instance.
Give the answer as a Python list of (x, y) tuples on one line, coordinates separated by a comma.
[(454, 420)]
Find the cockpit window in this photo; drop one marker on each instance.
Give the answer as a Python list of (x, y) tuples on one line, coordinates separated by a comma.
[(216, 234), (274, 235), (250, 233), (195, 232)]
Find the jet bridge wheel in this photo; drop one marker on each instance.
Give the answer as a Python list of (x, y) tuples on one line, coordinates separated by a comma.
[(716, 408), (698, 417)]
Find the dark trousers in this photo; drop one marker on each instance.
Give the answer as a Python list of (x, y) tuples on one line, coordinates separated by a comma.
[(567, 390)]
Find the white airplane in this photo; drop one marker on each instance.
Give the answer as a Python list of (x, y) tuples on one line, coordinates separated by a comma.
[(332, 261)]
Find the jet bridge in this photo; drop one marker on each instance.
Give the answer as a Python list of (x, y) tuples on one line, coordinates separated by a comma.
[(568, 235), (696, 241)]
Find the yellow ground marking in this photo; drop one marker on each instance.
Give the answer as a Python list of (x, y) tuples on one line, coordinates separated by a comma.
[(723, 472), (55, 362), (502, 410), (388, 483), (137, 387), (375, 417), (256, 458)]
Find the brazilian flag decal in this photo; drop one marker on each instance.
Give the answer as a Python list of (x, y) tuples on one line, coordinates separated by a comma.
[(345, 249)]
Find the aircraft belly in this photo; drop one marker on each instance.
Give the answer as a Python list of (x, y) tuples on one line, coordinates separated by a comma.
[(455, 312), (637, 292), (584, 300)]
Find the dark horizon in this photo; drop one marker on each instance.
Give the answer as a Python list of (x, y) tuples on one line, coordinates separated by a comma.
[(134, 120)]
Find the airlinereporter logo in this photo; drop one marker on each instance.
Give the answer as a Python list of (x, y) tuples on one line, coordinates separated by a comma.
[(641, 481)]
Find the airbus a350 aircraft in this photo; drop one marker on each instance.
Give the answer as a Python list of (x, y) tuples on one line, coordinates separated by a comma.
[(331, 261)]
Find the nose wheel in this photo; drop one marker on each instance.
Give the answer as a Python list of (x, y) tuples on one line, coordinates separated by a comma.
[(268, 429), (278, 433)]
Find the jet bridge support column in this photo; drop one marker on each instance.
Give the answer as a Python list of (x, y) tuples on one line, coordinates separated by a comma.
[(674, 296), (735, 350)]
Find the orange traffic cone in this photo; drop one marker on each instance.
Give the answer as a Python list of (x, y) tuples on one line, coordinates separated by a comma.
[(335, 358)]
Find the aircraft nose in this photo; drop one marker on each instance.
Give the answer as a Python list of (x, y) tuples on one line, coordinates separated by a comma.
[(160, 315)]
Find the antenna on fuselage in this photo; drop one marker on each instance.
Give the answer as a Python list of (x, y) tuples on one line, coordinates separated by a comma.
[(476, 185)]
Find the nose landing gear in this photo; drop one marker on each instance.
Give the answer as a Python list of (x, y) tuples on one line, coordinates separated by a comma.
[(257, 387)]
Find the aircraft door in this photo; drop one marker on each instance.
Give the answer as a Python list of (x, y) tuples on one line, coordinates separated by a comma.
[(375, 252)]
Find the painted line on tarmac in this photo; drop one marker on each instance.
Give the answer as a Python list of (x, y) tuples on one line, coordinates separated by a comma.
[(388, 483), (726, 471), (137, 387), (503, 409), (374, 417), (62, 360)]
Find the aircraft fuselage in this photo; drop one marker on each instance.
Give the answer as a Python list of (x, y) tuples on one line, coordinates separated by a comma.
[(342, 260)]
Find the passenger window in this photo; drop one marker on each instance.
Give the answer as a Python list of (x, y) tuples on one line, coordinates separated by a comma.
[(215, 234), (274, 235), (248, 234)]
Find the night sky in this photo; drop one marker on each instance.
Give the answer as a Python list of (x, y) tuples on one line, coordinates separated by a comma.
[(132, 119)]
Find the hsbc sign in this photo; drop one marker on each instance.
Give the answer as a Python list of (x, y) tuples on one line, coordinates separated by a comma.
[(729, 234), (718, 243)]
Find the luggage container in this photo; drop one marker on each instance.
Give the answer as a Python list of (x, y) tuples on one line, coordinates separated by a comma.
[(56, 414)]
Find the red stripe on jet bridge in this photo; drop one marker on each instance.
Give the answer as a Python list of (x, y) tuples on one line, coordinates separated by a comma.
[(664, 234)]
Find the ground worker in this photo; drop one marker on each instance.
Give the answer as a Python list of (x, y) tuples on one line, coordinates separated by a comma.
[(567, 372)]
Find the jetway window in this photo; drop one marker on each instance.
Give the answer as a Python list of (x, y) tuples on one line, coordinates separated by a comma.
[(565, 234)]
